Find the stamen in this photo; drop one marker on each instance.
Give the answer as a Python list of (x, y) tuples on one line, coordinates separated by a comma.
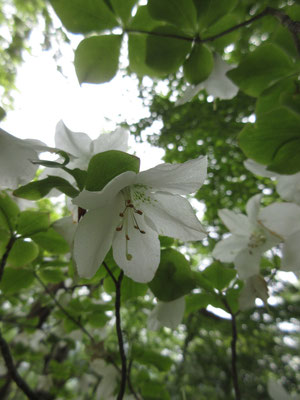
[(127, 237), (121, 214), (142, 231), (138, 212), (128, 256), (119, 228)]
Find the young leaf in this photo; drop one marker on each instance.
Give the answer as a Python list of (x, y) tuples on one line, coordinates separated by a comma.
[(51, 241), (103, 167), (84, 16), (38, 189), (14, 280), (97, 58), (30, 222), (9, 212), (123, 9), (22, 253), (198, 65), (219, 276)]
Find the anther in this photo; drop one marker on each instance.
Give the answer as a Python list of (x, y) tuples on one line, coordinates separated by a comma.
[(119, 228), (139, 212), (121, 214), (130, 205), (127, 237), (142, 231)]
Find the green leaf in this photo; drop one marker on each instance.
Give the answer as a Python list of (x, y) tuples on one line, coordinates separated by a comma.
[(103, 167), (153, 390), (274, 140), (38, 189), (79, 175), (123, 9), (51, 241), (261, 69), (97, 58), (164, 53), (97, 320), (196, 301), (151, 357), (23, 252), (181, 13), (9, 212), (210, 11), (131, 289), (198, 65), (224, 23), (2, 113), (31, 222), (84, 16), (51, 275), (173, 278), (14, 280), (219, 276), (166, 241)]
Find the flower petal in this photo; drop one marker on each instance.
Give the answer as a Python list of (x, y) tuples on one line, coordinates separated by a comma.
[(173, 216), (167, 314), (227, 249), (282, 219), (144, 249), (176, 178), (254, 287), (253, 207), (291, 253), (189, 94), (288, 187), (258, 169), (93, 237), (91, 200), (15, 166), (218, 84), (76, 143), (277, 392), (247, 262), (117, 140), (237, 223), (66, 227)]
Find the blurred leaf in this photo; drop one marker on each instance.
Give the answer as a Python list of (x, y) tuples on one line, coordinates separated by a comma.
[(30, 222), (14, 280), (97, 58), (9, 212), (51, 241), (219, 276), (51, 275), (198, 66), (22, 253), (151, 357)]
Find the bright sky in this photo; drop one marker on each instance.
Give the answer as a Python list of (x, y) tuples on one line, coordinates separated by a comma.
[(45, 96)]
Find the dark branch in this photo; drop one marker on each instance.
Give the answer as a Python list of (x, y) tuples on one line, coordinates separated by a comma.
[(234, 372), (129, 381), (5, 255), (110, 273), (285, 20), (120, 336), (12, 370), (71, 318)]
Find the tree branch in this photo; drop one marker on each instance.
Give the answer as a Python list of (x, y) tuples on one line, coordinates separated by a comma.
[(12, 370), (234, 372), (76, 322), (5, 255), (285, 20), (129, 381)]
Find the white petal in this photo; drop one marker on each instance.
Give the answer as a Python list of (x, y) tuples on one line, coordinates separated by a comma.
[(15, 166), (173, 216), (258, 169), (237, 223), (189, 94), (66, 227), (227, 249), (117, 140), (176, 178), (291, 253), (288, 187), (169, 314), (276, 391), (253, 207), (93, 237), (255, 286), (144, 249), (218, 84), (76, 143), (91, 200), (282, 219), (247, 262)]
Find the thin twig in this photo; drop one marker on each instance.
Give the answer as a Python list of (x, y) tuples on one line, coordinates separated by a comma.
[(285, 20), (71, 318), (12, 370), (129, 380), (120, 336), (234, 372), (110, 273), (5, 255)]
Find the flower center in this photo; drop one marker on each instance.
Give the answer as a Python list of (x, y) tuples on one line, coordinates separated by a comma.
[(256, 239), (129, 216)]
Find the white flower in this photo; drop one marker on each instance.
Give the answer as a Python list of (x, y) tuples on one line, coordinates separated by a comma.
[(129, 214), (284, 220), (216, 85), (167, 314), (249, 239), (288, 186), (15, 159), (277, 391)]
